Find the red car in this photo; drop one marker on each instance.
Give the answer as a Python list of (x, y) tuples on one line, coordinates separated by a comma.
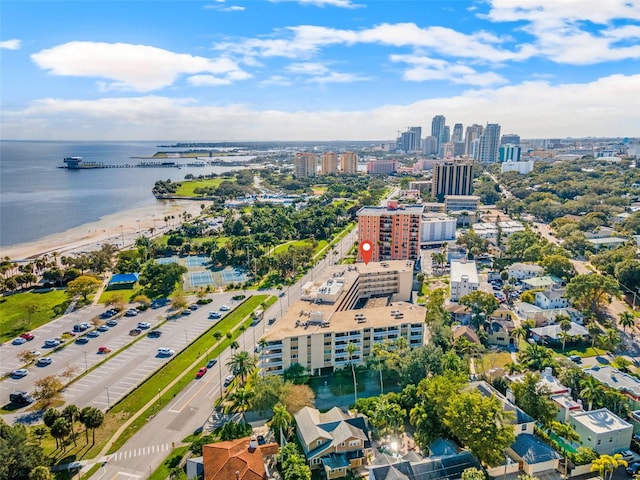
[(28, 336), (104, 350), (201, 372)]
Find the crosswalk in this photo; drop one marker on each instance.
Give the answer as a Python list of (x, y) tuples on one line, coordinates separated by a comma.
[(140, 452)]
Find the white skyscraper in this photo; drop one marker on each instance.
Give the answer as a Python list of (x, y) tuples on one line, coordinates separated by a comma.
[(489, 143)]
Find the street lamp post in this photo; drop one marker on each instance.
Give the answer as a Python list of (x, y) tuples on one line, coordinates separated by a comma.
[(86, 365), (158, 396), (108, 399)]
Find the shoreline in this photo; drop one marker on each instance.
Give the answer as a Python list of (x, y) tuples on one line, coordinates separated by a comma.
[(120, 229)]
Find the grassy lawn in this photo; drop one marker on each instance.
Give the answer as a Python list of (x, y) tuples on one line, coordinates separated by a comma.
[(163, 471), (283, 246), (127, 293), (14, 311), (493, 360), (187, 188), (585, 350)]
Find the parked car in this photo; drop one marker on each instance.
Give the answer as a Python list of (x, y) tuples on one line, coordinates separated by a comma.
[(159, 302), (272, 321), (575, 358), (144, 325), (228, 379), (224, 308), (628, 455), (165, 352), (93, 334), (52, 343), (35, 353), (28, 336), (44, 361), (132, 312), (18, 341), (80, 327), (82, 340), (185, 312), (103, 350), (20, 373), (154, 334), (20, 398), (212, 362), (193, 306), (107, 314), (103, 328), (214, 315), (201, 372), (111, 323), (135, 331)]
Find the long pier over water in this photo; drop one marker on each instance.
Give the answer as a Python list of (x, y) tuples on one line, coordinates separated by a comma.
[(76, 163)]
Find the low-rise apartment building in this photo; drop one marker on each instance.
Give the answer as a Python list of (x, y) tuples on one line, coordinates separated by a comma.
[(361, 304), (464, 279)]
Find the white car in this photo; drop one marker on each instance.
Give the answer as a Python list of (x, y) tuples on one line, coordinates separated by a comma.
[(215, 315), (144, 325), (23, 372), (165, 352), (224, 308)]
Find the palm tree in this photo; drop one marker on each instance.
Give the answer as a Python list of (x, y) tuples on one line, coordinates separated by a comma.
[(594, 330), (281, 421), (626, 319), (536, 357), (591, 390), (351, 349), (92, 418), (519, 334), (606, 464), (71, 413), (242, 364), (565, 326), (234, 345), (241, 399), (217, 335), (567, 432), (377, 360)]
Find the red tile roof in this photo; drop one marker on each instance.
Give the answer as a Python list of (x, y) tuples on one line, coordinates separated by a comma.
[(234, 460)]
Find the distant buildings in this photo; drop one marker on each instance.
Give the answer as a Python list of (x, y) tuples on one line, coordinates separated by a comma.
[(349, 162), (381, 167), (329, 163), (510, 138), (411, 140), (394, 231), (306, 164), (489, 143), (437, 228), (452, 178), (509, 153), (472, 140), (438, 131), (521, 167)]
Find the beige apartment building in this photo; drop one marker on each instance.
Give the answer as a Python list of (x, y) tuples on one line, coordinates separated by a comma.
[(349, 162), (329, 163), (359, 304)]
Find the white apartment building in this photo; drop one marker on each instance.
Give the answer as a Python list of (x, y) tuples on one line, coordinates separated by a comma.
[(437, 228), (551, 299), (520, 167), (360, 304), (464, 279), (602, 430), (524, 271)]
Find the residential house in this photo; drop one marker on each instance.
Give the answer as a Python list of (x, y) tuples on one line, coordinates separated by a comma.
[(466, 332), (551, 299), (545, 282), (333, 441), (499, 331), (602, 430), (542, 317), (523, 271), (552, 333), (241, 459), (606, 243), (430, 468), (626, 384), (459, 313), (528, 449)]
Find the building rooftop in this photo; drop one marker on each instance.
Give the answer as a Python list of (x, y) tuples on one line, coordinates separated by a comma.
[(533, 450), (386, 210), (464, 268), (600, 421), (615, 379)]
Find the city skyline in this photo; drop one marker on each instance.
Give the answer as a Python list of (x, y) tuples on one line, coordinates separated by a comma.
[(232, 70)]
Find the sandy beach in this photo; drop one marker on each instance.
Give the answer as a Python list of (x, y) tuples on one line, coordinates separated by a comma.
[(119, 229)]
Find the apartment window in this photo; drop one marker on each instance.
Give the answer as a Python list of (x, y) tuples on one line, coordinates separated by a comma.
[(524, 427)]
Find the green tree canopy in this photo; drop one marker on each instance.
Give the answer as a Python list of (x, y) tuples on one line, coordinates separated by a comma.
[(592, 292), (19, 456), (84, 286), (160, 279)]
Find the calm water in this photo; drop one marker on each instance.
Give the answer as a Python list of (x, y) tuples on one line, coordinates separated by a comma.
[(38, 198)]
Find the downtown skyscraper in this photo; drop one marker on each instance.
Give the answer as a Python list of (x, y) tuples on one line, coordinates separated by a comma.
[(438, 131), (489, 143)]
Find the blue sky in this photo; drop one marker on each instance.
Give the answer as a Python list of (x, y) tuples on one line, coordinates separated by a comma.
[(316, 69)]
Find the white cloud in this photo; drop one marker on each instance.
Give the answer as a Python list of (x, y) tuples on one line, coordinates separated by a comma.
[(579, 32), (13, 44), (276, 80), (308, 68), (306, 40), (423, 68), (532, 109), (131, 67), (222, 8), (324, 3)]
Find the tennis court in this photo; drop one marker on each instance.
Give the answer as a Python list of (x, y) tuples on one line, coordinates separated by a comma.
[(198, 279), (233, 275), (167, 260), (196, 261)]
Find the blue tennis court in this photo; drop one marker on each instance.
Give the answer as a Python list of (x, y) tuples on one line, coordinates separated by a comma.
[(200, 278), (196, 261), (231, 276), (167, 260)]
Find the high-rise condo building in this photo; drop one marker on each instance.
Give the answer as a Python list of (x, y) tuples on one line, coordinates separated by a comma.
[(430, 145), (306, 165), (437, 130), (509, 153), (349, 162), (452, 178), (394, 231), (381, 167), (512, 138), (410, 141), (329, 163), (474, 132), (489, 143), (456, 136)]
